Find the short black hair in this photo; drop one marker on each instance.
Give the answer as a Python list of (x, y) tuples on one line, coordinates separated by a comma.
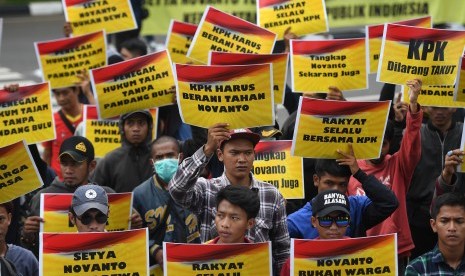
[(447, 199), (165, 139), (135, 46), (331, 167), (247, 199), (9, 207)]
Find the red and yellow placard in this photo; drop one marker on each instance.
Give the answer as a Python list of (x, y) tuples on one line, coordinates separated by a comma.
[(86, 16), (179, 40), (134, 84), (305, 16), (240, 95), (62, 59), (318, 64), (219, 31), (105, 135), (18, 172), (54, 210), (104, 253), (26, 114), (279, 62), (245, 259), (275, 164), (359, 256), (431, 55), (374, 34), (324, 126), (459, 89), (440, 95)]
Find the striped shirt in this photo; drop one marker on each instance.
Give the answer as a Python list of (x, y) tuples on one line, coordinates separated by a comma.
[(199, 195), (432, 263)]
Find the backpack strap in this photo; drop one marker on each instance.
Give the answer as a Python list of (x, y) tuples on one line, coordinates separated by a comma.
[(66, 121)]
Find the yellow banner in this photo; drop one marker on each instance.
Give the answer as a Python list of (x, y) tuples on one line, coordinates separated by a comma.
[(219, 31), (340, 13), (431, 55), (26, 114), (279, 62), (18, 172), (275, 164), (323, 127), (305, 17), (245, 259), (374, 34), (62, 59), (135, 84), (97, 254), (459, 89), (240, 95), (179, 40), (86, 16), (442, 96), (318, 64), (54, 210), (357, 256)]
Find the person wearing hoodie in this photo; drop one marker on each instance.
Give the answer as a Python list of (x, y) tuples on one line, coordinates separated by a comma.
[(126, 167), (76, 159)]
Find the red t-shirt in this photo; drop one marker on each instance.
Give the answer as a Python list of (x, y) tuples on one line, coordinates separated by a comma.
[(62, 132)]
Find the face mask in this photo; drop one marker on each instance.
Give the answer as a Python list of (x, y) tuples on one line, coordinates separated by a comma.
[(166, 168)]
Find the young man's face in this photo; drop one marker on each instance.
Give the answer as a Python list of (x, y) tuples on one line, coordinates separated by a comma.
[(136, 129), (75, 173), (166, 150), (231, 223), (5, 220), (332, 231), (440, 116), (237, 156), (66, 97), (330, 182), (450, 226), (91, 221)]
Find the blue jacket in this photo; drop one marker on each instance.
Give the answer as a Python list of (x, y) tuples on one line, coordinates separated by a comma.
[(365, 211)]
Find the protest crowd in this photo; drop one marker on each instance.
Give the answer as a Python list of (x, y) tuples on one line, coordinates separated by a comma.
[(173, 161)]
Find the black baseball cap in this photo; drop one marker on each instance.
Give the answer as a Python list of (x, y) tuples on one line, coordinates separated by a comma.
[(329, 201), (79, 148)]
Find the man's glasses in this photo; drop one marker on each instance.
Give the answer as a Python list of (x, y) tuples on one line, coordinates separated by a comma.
[(87, 218), (327, 221)]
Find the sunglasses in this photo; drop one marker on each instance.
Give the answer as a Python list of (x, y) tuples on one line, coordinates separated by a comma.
[(87, 218), (327, 221)]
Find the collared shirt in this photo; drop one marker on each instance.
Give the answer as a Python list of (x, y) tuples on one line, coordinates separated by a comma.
[(432, 263), (199, 195)]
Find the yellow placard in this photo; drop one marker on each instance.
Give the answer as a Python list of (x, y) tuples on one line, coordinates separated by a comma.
[(54, 210), (318, 64), (374, 35), (358, 256), (179, 40), (245, 259), (240, 95), (279, 62), (86, 16), (303, 16), (459, 89), (104, 253), (18, 172), (323, 127), (62, 60), (431, 55), (442, 96), (275, 164), (26, 114), (219, 31), (135, 84)]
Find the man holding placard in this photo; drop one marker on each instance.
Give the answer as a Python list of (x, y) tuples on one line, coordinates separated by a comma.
[(235, 148)]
